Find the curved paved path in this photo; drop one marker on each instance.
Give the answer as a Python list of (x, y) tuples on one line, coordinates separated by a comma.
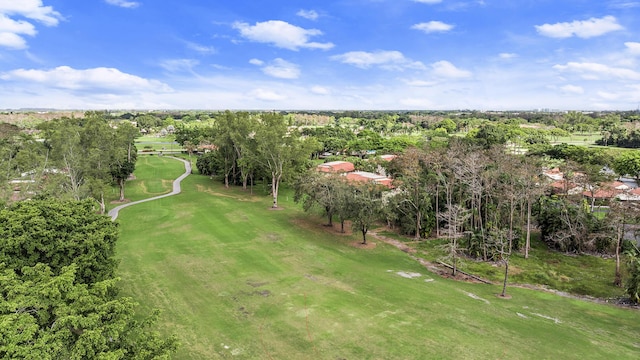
[(176, 190)]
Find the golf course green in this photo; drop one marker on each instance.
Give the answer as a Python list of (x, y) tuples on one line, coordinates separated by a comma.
[(235, 279)]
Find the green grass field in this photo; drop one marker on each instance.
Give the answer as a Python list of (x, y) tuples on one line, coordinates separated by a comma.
[(235, 279), (154, 143)]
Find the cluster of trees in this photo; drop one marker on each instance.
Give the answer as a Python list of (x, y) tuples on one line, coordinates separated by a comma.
[(77, 158), (620, 137), (484, 201), (249, 147), (360, 202), (59, 294)]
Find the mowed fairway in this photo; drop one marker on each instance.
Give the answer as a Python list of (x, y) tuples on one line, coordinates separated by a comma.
[(236, 280)]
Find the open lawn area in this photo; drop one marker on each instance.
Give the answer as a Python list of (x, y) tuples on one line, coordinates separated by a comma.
[(153, 176), (234, 279)]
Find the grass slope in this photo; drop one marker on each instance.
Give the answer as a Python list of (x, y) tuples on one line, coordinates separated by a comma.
[(153, 176), (237, 280)]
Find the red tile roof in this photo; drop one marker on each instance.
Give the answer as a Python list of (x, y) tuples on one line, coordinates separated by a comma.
[(336, 167)]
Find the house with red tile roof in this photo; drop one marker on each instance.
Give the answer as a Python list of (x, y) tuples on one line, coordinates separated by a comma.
[(363, 176), (336, 167), (608, 190)]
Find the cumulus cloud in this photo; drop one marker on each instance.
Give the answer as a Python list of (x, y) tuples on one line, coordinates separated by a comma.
[(595, 71), (12, 31), (633, 47), (279, 68), (281, 34), (266, 95), (308, 14), (583, 29), (572, 89), (448, 70), (320, 90), (65, 77), (123, 3), (507, 56), (433, 26), (389, 60)]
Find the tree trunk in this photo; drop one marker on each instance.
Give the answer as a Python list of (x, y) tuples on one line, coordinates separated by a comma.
[(506, 275), (121, 184), (418, 224), (364, 235), (437, 212), (455, 258), (528, 241), (275, 183), (618, 278)]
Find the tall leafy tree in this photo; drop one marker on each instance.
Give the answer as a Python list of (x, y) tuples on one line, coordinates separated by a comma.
[(322, 190), (628, 163), (279, 151), (58, 233), (366, 207), (51, 315)]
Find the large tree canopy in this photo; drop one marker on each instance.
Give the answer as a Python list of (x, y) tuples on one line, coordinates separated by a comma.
[(59, 299), (58, 233), (52, 316)]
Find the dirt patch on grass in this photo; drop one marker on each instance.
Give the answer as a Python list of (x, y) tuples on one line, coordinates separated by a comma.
[(312, 224), (435, 268), (359, 245)]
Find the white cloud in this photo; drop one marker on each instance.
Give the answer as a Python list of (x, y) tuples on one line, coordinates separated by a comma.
[(420, 83), (282, 69), (572, 89), (281, 34), (624, 4), (428, 1), (278, 68), (448, 70), (308, 14), (123, 3), (12, 31), (179, 65), (507, 56), (595, 71), (608, 95), (388, 60), (31, 9), (12, 40), (266, 95), (320, 90), (583, 29), (433, 26), (17, 27), (200, 48), (633, 47), (65, 77)]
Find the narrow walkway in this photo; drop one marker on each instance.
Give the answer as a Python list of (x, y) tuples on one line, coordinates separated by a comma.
[(176, 190)]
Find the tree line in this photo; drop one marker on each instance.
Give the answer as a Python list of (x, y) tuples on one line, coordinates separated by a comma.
[(72, 158)]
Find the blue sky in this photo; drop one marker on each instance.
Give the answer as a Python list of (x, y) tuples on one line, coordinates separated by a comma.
[(344, 54)]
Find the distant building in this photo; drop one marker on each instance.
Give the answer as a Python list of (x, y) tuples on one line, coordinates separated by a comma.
[(363, 176), (336, 167)]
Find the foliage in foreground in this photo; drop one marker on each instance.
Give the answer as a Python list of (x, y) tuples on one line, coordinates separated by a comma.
[(59, 298)]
